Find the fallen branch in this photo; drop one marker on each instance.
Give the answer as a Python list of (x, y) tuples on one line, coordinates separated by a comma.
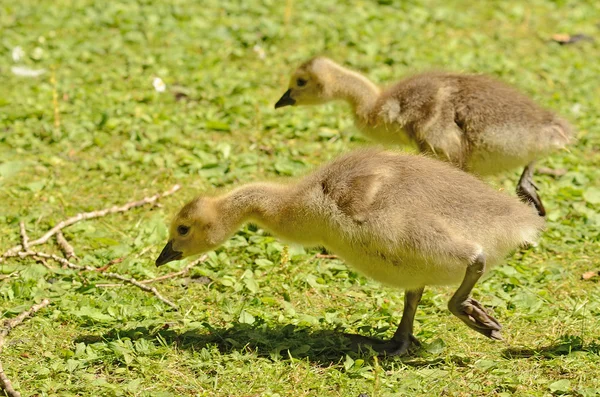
[(89, 215), (116, 276), (65, 247), (8, 326)]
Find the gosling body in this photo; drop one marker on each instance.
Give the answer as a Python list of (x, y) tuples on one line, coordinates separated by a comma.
[(475, 122), (407, 221)]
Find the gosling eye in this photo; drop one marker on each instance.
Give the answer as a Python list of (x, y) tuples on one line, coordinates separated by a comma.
[(301, 82), (183, 230)]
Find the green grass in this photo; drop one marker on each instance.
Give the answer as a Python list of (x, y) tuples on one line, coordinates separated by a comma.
[(269, 324)]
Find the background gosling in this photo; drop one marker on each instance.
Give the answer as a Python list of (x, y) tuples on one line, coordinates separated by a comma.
[(404, 220), (475, 122)]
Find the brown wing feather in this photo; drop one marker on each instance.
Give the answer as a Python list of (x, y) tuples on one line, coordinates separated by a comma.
[(354, 196)]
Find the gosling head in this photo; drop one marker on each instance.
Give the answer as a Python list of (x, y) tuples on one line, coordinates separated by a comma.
[(195, 229), (309, 84)]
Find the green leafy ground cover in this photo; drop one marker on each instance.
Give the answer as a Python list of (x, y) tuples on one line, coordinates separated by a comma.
[(269, 323)]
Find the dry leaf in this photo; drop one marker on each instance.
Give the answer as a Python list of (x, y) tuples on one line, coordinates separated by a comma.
[(589, 275), (564, 38)]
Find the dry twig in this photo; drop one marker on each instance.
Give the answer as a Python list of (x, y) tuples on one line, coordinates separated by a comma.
[(89, 215), (116, 276), (8, 326), (43, 255), (64, 245), (141, 286), (11, 275), (183, 271), (24, 237), (109, 264), (326, 256), (44, 263), (23, 250)]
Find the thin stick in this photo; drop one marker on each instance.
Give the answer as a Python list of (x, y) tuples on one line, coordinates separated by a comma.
[(5, 383), (44, 263), (325, 256), (43, 255), (183, 271), (70, 265), (65, 247), (5, 276), (24, 237), (109, 264), (13, 322), (141, 286), (89, 215)]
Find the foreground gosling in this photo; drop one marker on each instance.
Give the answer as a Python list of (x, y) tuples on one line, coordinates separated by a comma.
[(405, 220), (475, 122)]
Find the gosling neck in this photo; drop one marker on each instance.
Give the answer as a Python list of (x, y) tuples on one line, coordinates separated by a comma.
[(355, 89), (259, 202)]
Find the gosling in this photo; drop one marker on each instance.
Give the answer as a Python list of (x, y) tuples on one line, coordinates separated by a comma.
[(474, 122), (405, 220)]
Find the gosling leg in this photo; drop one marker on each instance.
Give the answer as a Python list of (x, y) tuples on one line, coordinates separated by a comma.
[(468, 309), (403, 340), (527, 191)]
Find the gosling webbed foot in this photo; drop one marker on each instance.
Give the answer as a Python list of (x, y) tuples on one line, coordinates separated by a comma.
[(474, 315), (395, 347), (398, 347), (527, 190), (403, 342)]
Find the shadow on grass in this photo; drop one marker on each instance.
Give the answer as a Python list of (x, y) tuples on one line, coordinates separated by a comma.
[(565, 345), (321, 347)]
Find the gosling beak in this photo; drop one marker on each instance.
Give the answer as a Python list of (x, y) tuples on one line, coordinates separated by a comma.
[(168, 254), (285, 100)]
